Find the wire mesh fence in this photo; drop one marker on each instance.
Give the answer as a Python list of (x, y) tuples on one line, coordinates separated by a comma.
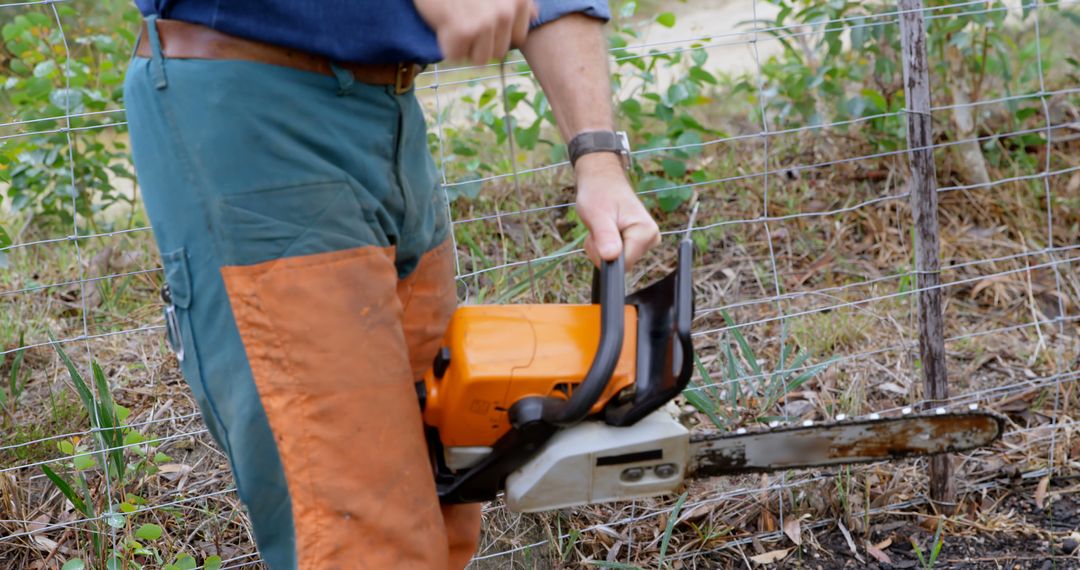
[(782, 124)]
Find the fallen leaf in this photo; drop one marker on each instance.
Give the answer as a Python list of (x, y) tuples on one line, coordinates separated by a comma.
[(815, 267), (930, 524), (45, 544), (892, 387), (886, 528), (793, 530), (884, 544), (878, 554), (613, 552), (770, 557), (850, 542), (1040, 491), (174, 468), (847, 536), (699, 512), (604, 529), (798, 408), (173, 471), (767, 522), (39, 523)]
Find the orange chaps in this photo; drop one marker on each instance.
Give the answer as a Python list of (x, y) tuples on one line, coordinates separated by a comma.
[(338, 391)]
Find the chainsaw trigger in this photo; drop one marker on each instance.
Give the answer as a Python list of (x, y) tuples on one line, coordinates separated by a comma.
[(442, 362)]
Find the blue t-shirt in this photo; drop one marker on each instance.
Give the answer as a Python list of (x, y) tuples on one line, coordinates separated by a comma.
[(355, 31)]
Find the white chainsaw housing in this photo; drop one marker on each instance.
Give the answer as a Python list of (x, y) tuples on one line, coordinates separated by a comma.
[(593, 463)]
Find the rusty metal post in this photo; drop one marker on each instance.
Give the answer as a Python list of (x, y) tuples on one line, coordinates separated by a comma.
[(922, 184)]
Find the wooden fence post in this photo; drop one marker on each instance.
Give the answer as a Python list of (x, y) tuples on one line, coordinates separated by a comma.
[(924, 205)]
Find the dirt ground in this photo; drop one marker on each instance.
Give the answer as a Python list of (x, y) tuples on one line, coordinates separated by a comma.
[(1050, 541)]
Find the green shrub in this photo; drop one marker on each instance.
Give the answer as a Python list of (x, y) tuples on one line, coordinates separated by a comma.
[(53, 174)]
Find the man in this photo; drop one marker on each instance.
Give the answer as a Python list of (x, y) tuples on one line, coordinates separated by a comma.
[(285, 170)]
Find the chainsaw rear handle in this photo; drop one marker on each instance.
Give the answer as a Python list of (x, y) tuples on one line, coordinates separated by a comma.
[(611, 295)]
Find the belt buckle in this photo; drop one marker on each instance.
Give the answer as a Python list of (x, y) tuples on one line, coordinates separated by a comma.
[(403, 78)]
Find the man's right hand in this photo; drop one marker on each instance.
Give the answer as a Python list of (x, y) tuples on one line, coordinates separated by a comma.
[(478, 30)]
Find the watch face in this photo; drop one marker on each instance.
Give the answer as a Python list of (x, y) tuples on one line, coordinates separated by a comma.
[(624, 149)]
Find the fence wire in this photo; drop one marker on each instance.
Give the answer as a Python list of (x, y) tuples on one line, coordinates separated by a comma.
[(769, 306)]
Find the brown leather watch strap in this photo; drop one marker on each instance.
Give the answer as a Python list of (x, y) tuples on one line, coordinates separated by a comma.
[(184, 40)]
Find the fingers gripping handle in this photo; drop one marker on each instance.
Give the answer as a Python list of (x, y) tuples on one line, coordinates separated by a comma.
[(611, 295)]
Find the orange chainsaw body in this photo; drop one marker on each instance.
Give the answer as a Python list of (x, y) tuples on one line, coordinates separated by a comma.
[(499, 354)]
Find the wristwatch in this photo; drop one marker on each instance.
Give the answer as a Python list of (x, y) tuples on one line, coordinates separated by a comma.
[(600, 141)]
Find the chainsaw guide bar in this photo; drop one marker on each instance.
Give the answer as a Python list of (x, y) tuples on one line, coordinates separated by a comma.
[(845, 442)]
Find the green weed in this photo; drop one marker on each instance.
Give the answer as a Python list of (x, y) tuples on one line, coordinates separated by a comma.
[(9, 395), (747, 390), (106, 469), (665, 541), (566, 543), (672, 519), (929, 560)]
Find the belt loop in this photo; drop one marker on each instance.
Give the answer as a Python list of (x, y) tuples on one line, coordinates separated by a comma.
[(157, 60), (345, 79), (135, 46)]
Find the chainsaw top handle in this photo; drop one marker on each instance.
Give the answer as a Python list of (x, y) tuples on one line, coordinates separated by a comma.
[(610, 292)]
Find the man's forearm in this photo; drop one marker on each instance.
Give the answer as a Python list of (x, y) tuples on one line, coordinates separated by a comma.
[(569, 57)]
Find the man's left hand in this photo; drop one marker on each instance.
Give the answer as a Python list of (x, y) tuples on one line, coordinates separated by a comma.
[(616, 219)]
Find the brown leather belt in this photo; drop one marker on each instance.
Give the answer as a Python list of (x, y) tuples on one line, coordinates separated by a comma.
[(183, 40)]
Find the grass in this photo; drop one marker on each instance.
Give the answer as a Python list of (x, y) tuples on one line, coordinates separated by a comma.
[(835, 332), (929, 560), (62, 415)]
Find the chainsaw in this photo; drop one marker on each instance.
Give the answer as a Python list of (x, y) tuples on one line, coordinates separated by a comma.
[(559, 405)]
